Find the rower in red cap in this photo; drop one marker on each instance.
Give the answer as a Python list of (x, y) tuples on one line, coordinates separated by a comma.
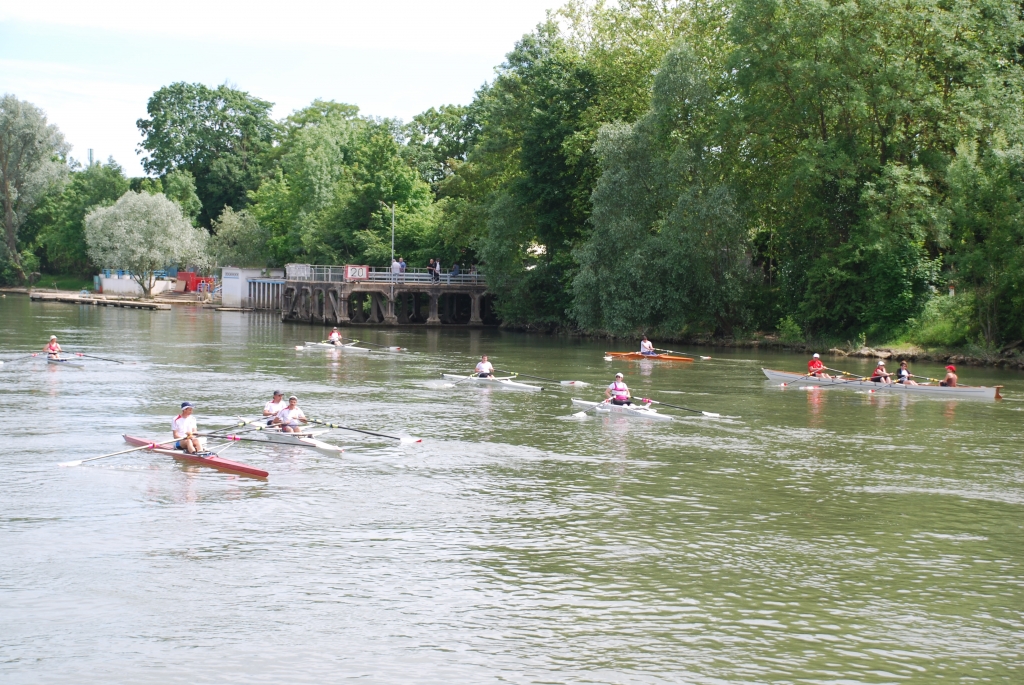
[(951, 379)]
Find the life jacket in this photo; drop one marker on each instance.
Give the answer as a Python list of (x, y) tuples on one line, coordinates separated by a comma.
[(620, 390)]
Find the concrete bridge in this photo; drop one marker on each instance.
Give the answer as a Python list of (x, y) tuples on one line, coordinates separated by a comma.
[(353, 295)]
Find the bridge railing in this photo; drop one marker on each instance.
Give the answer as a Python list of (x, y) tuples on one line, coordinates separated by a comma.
[(316, 272)]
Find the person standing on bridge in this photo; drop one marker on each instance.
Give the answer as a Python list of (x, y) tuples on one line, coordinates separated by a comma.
[(430, 270), (401, 270), (396, 269), (453, 272)]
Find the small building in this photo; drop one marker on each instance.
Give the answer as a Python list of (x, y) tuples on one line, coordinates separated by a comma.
[(251, 288)]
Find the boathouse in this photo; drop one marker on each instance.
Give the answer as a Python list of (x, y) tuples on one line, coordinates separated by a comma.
[(357, 294)]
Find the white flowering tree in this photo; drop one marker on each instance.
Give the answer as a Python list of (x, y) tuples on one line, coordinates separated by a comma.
[(143, 233)]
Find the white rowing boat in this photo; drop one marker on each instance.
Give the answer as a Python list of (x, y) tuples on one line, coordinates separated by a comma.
[(505, 382), (640, 411), (967, 391), (307, 438), (64, 361), (350, 347)]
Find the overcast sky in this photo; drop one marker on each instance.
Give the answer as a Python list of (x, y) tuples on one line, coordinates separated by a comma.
[(93, 65)]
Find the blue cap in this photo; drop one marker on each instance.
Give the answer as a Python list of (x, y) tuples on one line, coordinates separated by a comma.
[(187, 404)]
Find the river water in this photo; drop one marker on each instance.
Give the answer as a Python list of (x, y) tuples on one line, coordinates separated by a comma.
[(807, 536)]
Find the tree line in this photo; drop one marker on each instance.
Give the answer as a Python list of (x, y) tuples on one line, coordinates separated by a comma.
[(685, 169)]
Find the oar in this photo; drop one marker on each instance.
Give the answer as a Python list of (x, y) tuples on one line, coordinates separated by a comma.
[(542, 378), (147, 446), (676, 406), (18, 359), (685, 354), (463, 380), (583, 413), (927, 378), (392, 348), (806, 375), (93, 356), (403, 440)]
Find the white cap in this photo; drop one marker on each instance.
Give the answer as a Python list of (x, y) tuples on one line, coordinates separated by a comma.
[(619, 375), (881, 363), (817, 356), (53, 337)]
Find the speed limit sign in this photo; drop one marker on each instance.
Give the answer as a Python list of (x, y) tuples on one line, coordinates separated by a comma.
[(356, 273)]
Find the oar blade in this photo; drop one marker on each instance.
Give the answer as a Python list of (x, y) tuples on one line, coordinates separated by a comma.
[(581, 384), (71, 463), (409, 440), (711, 414)]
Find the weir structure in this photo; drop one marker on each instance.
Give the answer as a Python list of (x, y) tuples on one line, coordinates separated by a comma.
[(361, 295)]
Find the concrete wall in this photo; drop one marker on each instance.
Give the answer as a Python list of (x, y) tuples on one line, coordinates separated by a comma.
[(235, 284), (127, 287)]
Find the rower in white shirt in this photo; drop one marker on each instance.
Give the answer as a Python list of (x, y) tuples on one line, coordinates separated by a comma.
[(335, 337), (290, 417), (275, 405), (484, 369), (618, 392), (646, 346), (184, 430)]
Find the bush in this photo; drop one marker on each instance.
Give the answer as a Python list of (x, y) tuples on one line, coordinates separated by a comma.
[(947, 321), (790, 331)]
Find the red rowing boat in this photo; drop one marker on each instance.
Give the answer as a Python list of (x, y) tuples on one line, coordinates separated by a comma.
[(655, 357), (212, 460)]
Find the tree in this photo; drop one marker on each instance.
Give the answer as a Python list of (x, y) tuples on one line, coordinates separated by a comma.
[(57, 224), (239, 240), (220, 135), (143, 233), (32, 162)]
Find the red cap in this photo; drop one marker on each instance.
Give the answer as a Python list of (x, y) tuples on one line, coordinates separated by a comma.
[(950, 368)]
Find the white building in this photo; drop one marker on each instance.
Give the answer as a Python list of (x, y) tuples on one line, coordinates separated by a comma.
[(251, 288)]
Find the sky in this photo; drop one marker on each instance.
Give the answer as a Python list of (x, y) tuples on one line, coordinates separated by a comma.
[(92, 66)]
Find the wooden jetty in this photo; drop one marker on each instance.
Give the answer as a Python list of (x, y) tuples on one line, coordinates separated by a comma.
[(96, 301)]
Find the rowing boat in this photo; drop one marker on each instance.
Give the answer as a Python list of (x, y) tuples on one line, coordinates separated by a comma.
[(978, 392), (640, 411), (350, 347), (653, 357), (63, 361), (306, 438), (502, 382), (212, 460)]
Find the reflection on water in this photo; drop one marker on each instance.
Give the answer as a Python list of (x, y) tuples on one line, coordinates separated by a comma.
[(819, 536)]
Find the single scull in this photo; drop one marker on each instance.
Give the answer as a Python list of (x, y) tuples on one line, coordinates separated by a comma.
[(63, 361), (307, 438), (501, 382), (211, 459), (641, 411), (652, 357), (977, 392)]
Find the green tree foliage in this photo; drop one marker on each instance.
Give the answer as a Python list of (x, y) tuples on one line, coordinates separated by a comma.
[(239, 240), (57, 225), (324, 203), (32, 164), (219, 135), (437, 138)]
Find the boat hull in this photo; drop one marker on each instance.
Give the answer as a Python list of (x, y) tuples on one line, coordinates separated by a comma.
[(341, 348), (305, 439), (650, 357), (976, 392), (632, 411), (501, 382), (214, 461), (65, 362)]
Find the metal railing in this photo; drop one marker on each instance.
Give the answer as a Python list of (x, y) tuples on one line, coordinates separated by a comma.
[(315, 272)]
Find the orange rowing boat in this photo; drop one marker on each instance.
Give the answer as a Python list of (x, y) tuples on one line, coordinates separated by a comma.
[(655, 357)]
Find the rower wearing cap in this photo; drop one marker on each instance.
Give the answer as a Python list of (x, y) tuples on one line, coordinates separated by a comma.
[(880, 375), (646, 347), (816, 368), (618, 392), (484, 369), (290, 417), (52, 348), (951, 378), (335, 337), (184, 430), (275, 405)]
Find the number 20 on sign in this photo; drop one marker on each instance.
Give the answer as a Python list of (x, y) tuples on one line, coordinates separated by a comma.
[(356, 273)]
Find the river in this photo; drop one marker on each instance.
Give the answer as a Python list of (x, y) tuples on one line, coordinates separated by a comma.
[(809, 536)]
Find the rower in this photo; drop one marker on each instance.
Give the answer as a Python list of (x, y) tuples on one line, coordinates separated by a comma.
[(335, 337), (184, 430), (617, 392), (951, 378), (903, 375), (484, 369), (290, 417), (53, 349), (816, 368), (275, 405), (646, 346), (880, 375)]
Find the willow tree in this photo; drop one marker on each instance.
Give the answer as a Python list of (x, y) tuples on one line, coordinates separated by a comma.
[(143, 233), (32, 162)]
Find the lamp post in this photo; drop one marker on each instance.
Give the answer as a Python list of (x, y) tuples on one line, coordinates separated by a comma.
[(392, 208)]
